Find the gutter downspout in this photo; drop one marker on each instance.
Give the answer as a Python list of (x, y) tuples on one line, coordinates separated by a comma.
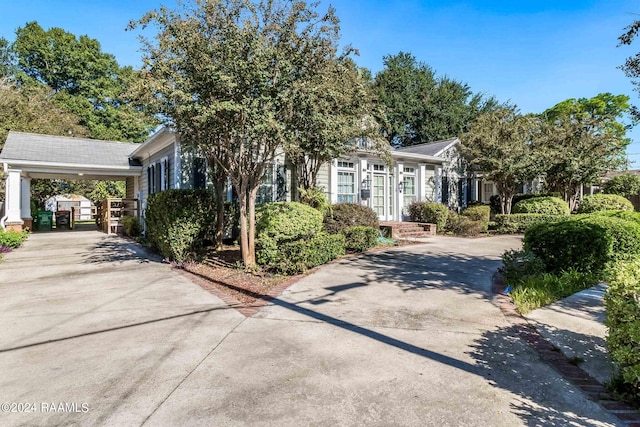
[(4, 218)]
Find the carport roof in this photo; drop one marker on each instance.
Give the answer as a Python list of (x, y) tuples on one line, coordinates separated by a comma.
[(31, 147)]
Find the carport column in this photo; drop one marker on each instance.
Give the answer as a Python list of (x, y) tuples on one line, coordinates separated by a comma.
[(12, 199), (25, 206)]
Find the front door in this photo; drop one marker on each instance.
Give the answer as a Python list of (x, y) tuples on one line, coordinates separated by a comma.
[(382, 196)]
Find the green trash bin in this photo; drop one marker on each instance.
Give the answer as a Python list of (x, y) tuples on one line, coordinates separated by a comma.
[(45, 220)]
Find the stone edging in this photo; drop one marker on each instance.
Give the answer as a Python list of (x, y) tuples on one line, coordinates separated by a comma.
[(577, 376)]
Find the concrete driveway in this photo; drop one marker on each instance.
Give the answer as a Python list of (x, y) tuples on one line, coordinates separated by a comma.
[(404, 337)]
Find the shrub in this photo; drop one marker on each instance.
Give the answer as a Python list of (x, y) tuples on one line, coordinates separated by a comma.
[(12, 239), (360, 238), (542, 205), (479, 213), (343, 215), (436, 213), (622, 302), (626, 215), (316, 198), (585, 243), (179, 221), (518, 223), (625, 185), (131, 226), (231, 221), (494, 201), (462, 225), (519, 264), (297, 256), (604, 202), (416, 212), (280, 223)]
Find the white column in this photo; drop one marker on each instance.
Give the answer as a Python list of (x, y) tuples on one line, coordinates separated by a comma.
[(25, 207), (12, 198), (397, 211), (437, 178), (422, 183), (360, 177), (333, 181)]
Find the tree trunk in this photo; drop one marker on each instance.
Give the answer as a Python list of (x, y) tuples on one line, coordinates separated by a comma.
[(253, 193), (244, 232), (219, 183)]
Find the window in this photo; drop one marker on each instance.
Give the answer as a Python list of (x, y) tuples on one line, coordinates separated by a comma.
[(346, 187), (265, 191), (445, 190), (487, 192), (378, 168), (410, 170), (409, 190), (346, 165)]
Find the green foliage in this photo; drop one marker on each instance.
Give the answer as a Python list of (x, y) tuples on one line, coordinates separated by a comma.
[(85, 81), (463, 225), (281, 223), (535, 291), (12, 239), (498, 145), (316, 198), (542, 205), (420, 107), (631, 67), (178, 222), (518, 223), (622, 302), (299, 255), (360, 238), (131, 226), (626, 185), (517, 264), (573, 131), (626, 215), (481, 213), (416, 211), (343, 215), (231, 221), (604, 202), (436, 213), (585, 243)]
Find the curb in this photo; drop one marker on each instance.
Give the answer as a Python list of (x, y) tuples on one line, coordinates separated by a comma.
[(590, 387)]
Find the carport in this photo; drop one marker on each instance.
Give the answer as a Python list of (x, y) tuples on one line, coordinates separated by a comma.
[(26, 156)]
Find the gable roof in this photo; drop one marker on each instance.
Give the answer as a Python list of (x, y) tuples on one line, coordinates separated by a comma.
[(30, 147), (436, 148)]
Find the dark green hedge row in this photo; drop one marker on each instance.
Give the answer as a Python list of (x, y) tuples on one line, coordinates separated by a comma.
[(604, 202), (360, 238), (179, 222), (343, 215), (623, 320), (519, 223), (584, 242), (430, 212), (542, 205), (479, 213)]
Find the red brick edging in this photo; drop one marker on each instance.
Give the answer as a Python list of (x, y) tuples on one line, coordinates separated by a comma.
[(595, 391)]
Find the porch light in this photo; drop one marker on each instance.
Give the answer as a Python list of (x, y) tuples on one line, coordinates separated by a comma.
[(80, 174), (400, 186)]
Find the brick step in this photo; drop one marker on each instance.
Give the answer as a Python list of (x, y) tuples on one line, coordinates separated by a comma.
[(416, 234)]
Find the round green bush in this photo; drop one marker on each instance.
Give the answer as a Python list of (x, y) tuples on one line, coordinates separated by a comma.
[(436, 213), (299, 255), (542, 205), (343, 215), (416, 211), (360, 238), (604, 202), (280, 223), (585, 243), (480, 213)]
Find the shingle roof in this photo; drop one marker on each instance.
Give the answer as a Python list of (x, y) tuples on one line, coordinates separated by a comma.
[(61, 149), (430, 148)]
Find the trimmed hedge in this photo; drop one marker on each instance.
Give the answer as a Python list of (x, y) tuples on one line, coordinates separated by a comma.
[(542, 205), (343, 215), (297, 256), (360, 238), (585, 243), (280, 223), (629, 216), (480, 213), (463, 225), (622, 302), (494, 201), (416, 211), (431, 212), (178, 222), (131, 226), (604, 202), (519, 223)]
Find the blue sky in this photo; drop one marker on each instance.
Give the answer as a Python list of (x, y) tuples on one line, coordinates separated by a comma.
[(533, 53)]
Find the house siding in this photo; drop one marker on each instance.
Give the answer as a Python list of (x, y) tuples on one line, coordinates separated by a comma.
[(167, 152)]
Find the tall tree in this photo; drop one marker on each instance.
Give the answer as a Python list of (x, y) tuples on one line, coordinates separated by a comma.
[(499, 146), (631, 67), (85, 80), (421, 107), (224, 71), (583, 139)]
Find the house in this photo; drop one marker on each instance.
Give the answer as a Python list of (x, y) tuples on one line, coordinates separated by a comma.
[(432, 171)]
